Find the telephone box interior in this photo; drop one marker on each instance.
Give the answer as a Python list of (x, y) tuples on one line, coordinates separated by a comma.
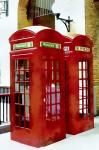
[(79, 85), (37, 87)]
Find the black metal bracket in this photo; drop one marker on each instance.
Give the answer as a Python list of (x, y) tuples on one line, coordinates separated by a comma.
[(65, 21)]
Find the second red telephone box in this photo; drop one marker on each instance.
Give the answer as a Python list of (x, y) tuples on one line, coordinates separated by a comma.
[(79, 85), (37, 87)]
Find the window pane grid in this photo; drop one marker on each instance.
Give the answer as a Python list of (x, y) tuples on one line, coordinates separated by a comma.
[(22, 106), (83, 88), (52, 90)]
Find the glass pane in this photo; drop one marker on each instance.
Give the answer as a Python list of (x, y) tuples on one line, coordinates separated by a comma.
[(84, 65), (80, 111), (52, 87), (16, 76), (27, 64), (80, 92), (48, 89), (58, 108), (17, 109), (22, 110), (53, 110), (80, 102), (80, 83), (27, 123), (84, 83), (84, 101), (58, 97), (80, 65), (80, 74), (48, 99), (22, 75), (16, 87), (22, 64), (27, 99), (84, 74), (27, 87), (27, 75), (16, 97), (84, 111), (57, 87), (22, 121), (21, 98), (80, 106), (84, 92), (27, 112), (53, 98), (21, 87)]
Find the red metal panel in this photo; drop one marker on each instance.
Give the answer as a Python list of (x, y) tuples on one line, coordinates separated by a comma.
[(80, 85)]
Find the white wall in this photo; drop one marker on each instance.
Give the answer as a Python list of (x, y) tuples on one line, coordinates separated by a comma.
[(8, 25), (76, 10)]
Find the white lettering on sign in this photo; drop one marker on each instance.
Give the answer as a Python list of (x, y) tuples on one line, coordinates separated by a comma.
[(66, 48), (50, 45), (23, 45), (81, 48)]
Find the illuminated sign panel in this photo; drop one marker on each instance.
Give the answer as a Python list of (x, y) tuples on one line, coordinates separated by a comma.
[(81, 48), (50, 45), (23, 45)]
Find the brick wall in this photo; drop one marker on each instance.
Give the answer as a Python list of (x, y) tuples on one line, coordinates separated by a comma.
[(92, 29), (22, 17), (47, 20)]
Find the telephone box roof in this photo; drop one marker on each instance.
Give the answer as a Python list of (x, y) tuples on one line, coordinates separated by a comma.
[(36, 31)]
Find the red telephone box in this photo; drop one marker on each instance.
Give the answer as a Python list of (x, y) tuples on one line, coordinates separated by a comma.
[(37, 87), (79, 85)]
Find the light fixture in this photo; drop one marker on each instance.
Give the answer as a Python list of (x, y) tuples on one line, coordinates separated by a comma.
[(65, 21)]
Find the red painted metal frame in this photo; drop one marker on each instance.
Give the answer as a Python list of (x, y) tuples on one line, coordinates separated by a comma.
[(60, 100), (77, 122), (47, 115)]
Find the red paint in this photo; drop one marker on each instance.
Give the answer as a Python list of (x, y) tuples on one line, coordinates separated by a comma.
[(45, 103)]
